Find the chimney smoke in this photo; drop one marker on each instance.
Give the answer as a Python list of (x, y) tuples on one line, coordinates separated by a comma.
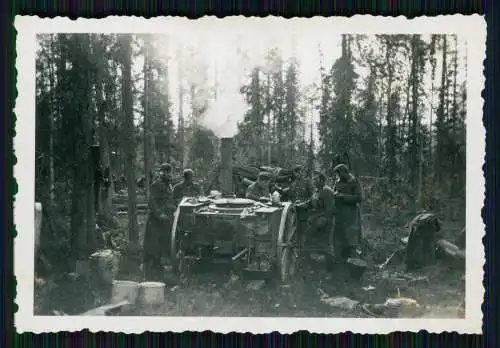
[(226, 174)]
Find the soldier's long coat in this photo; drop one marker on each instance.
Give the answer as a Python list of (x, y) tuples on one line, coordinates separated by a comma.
[(347, 232), (158, 230)]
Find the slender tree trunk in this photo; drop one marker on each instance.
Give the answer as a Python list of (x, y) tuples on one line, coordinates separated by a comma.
[(105, 199), (454, 114), (147, 117), (89, 126), (430, 121), (420, 174), (51, 130), (127, 107), (404, 132), (454, 121), (78, 224), (414, 121), (82, 212), (440, 118), (310, 161), (181, 126), (390, 141), (269, 119)]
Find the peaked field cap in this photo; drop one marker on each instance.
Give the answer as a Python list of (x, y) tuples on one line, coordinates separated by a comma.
[(339, 167), (187, 171), (166, 167)]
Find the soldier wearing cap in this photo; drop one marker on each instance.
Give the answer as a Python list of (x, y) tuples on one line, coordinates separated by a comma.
[(300, 189), (322, 198), (260, 189), (322, 210), (187, 187), (159, 224), (347, 194)]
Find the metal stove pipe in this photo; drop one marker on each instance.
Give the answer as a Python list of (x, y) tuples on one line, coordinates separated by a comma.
[(226, 174)]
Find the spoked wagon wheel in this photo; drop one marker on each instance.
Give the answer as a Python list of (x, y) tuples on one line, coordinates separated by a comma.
[(176, 249), (287, 247)]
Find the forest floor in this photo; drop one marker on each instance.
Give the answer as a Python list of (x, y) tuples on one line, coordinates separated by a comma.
[(440, 289)]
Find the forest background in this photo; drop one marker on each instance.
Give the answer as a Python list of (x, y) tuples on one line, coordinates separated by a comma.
[(395, 103)]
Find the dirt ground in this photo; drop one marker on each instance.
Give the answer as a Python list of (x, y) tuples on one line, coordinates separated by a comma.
[(440, 289)]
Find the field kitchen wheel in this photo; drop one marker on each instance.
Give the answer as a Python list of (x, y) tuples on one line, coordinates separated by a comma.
[(287, 246), (176, 250)]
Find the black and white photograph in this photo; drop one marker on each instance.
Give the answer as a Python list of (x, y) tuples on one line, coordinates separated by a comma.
[(240, 170)]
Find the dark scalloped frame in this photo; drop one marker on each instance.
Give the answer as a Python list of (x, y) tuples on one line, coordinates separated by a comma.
[(195, 9)]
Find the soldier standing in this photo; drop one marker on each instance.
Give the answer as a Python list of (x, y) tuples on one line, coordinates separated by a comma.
[(321, 207), (347, 194), (300, 189), (159, 224), (259, 189), (187, 187)]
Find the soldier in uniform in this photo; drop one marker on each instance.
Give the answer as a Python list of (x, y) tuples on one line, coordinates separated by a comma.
[(159, 224), (321, 212), (300, 189), (259, 189), (186, 188), (347, 231)]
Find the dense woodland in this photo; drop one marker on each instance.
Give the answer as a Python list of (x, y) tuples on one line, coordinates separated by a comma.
[(371, 104)]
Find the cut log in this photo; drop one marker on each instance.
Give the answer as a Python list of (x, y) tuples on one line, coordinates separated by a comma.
[(461, 254), (124, 207), (450, 251), (106, 309), (123, 199), (443, 243), (460, 240)]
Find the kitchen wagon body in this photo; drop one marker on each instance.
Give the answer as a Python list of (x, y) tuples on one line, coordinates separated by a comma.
[(259, 239)]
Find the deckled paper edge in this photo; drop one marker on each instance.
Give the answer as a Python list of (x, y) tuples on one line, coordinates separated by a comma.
[(473, 28)]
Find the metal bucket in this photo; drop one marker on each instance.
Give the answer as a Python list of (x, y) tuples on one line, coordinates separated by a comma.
[(356, 267), (106, 263), (401, 307), (125, 290), (152, 293)]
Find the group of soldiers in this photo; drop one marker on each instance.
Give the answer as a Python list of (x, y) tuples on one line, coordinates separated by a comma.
[(332, 212), (162, 205)]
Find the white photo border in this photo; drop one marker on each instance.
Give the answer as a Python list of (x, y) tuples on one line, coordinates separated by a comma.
[(471, 28)]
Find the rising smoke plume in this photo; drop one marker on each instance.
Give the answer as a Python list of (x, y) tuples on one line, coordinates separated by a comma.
[(224, 113)]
